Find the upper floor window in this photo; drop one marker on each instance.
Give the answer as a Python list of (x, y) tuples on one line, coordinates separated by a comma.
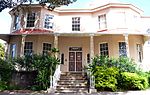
[(48, 23), (30, 19), (46, 48), (28, 48), (102, 21), (76, 24), (13, 50), (104, 49), (122, 49), (16, 22), (139, 52)]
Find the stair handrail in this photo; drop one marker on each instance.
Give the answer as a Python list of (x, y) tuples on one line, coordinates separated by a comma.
[(56, 76)]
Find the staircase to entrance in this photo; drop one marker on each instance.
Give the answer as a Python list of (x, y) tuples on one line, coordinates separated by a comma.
[(72, 82)]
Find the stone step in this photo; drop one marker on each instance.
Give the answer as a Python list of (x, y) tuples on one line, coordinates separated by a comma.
[(70, 86), (72, 90), (71, 81), (71, 78), (73, 74)]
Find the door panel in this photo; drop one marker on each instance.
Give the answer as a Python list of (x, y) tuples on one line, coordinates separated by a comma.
[(75, 61), (71, 61), (78, 61)]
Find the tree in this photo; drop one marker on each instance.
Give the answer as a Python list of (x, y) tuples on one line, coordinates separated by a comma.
[(51, 3), (2, 51)]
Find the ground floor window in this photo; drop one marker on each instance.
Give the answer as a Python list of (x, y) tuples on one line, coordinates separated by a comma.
[(139, 52), (46, 48), (104, 49), (13, 50), (28, 48), (122, 49)]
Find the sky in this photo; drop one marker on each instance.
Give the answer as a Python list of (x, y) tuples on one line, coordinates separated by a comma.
[(5, 18)]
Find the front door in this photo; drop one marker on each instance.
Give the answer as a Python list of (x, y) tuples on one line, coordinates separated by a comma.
[(75, 61)]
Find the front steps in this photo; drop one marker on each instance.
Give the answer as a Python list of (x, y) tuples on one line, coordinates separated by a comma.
[(72, 82)]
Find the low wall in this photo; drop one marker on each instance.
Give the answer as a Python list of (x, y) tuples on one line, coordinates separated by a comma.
[(23, 79)]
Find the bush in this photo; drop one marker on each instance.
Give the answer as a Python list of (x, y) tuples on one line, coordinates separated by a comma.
[(105, 78), (133, 81), (124, 64), (45, 66)]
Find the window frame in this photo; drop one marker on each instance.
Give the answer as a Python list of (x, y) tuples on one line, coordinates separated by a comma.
[(104, 52), (139, 52), (50, 24), (16, 22), (76, 24), (28, 49), (120, 55), (102, 22), (11, 50), (43, 48), (30, 22)]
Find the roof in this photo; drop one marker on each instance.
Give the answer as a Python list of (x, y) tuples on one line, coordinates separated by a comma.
[(91, 6)]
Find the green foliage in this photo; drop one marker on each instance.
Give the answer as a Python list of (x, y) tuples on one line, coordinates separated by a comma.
[(133, 81), (51, 3), (124, 64), (105, 78), (109, 74), (45, 65), (5, 74), (2, 51)]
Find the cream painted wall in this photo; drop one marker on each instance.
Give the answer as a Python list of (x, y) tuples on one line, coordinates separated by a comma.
[(64, 42)]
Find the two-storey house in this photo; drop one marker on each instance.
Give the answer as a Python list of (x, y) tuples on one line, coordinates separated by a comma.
[(112, 29)]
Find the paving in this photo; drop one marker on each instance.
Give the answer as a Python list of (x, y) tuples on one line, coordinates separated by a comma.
[(143, 92)]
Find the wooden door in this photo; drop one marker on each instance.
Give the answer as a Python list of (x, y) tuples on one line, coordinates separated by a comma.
[(75, 61), (71, 61), (78, 61)]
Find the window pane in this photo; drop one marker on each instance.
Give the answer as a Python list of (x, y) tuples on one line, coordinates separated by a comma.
[(102, 21), (76, 24), (139, 52), (122, 49), (46, 48), (104, 49), (28, 49), (48, 21), (13, 50), (30, 20)]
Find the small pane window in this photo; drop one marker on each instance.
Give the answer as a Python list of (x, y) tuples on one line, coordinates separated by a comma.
[(30, 20), (62, 58), (76, 24), (28, 48), (104, 49), (48, 23), (13, 50), (139, 52), (88, 58), (16, 22), (102, 21), (122, 49), (46, 48)]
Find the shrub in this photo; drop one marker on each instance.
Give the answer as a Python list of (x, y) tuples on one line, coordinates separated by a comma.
[(105, 78), (45, 66), (124, 64), (133, 81)]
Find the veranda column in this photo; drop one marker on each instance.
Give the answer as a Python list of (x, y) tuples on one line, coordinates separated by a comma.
[(22, 45), (127, 44), (92, 78), (91, 47), (56, 44)]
